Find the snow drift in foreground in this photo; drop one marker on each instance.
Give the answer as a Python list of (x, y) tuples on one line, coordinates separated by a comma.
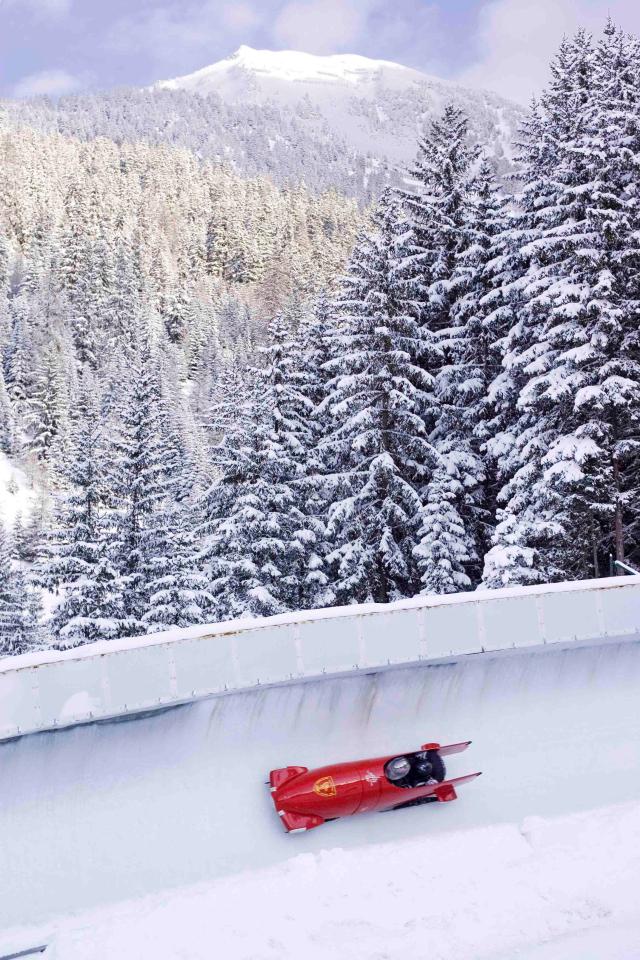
[(555, 889)]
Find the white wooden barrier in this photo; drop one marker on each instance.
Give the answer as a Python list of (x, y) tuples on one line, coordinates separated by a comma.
[(52, 689)]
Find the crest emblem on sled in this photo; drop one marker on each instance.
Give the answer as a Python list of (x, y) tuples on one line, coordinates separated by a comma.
[(325, 787)]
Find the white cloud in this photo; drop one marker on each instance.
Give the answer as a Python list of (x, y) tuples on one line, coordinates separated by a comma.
[(404, 30), (240, 16), (53, 83), (179, 32), (47, 8), (180, 35), (57, 8), (321, 26), (517, 38)]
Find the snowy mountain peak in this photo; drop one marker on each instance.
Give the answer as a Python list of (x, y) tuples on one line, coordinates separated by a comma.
[(294, 65), (370, 112), (291, 66)]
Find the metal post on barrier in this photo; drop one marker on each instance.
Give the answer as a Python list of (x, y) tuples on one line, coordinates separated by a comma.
[(626, 568), (32, 952)]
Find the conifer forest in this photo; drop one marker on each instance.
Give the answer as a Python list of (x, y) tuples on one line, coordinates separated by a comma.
[(231, 394)]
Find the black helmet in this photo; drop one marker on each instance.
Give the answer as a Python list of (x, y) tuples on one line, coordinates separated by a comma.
[(425, 767)]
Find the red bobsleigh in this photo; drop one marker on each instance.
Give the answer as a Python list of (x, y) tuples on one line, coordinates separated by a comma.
[(305, 798)]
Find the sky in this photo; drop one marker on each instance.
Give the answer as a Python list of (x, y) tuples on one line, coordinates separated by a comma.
[(64, 46)]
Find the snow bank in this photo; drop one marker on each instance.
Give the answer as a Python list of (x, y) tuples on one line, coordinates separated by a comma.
[(559, 889)]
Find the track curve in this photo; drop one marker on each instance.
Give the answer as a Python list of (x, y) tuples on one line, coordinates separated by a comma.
[(116, 810)]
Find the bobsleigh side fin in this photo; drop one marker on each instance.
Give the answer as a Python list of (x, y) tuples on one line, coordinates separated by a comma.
[(297, 822), (446, 790), (448, 749), (284, 774)]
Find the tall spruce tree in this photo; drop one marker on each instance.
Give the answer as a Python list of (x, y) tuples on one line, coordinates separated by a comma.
[(136, 487), (381, 397), (177, 589), (264, 556), (19, 606), (471, 346), (437, 204), (76, 562), (573, 448), (444, 223), (315, 346), (7, 423)]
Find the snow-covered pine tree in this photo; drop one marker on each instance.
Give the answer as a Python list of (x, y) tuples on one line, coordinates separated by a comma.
[(29, 534), (305, 371), (19, 607), (223, 530), (7, 423), (47, 410), (603, 483), (5, 265), (20, 355), (136, 487), (574, 449), (473, 361), (314, 348), (179, 316), (228, 425), (176, 586), (512, 330), (229, 408), (316, 337), (519, 436), (85, 341), (76, 563), (441, 209), (264, 554), (437, 204), (380, 399), (444, 548)]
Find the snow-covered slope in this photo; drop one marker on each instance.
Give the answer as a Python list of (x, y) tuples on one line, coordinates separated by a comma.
[(545, 889), (378, 107), (17, 494)]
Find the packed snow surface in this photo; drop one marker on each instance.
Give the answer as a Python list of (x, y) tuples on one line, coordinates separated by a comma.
[(122, 810), (543, 889)]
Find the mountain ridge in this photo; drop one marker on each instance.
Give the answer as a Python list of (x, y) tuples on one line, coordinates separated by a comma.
[(342, 122), (377, 106)]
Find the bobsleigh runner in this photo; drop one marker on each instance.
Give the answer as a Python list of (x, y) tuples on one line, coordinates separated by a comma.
[(305, 798)]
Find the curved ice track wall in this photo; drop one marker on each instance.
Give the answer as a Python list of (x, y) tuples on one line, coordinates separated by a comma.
[(103, 680), (114, 810)]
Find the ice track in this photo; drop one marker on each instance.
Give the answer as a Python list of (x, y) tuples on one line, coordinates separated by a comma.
[(111, 811)]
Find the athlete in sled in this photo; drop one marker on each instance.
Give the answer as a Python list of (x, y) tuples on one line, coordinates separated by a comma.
[(305, 798)]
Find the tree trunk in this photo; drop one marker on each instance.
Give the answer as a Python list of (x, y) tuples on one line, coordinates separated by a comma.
[(594, 542), (618, 529)]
